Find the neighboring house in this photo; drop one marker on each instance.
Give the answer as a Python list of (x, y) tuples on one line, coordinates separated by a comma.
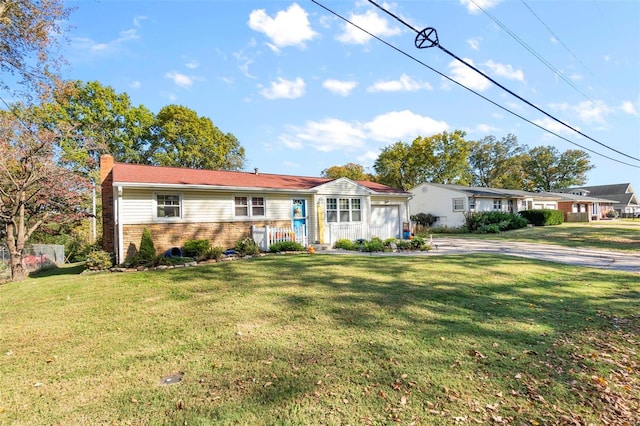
[(626, 203), (449, 203), (178, 204), (580, 208)]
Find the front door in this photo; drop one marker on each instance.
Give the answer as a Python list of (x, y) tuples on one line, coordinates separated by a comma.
[(299, 217)]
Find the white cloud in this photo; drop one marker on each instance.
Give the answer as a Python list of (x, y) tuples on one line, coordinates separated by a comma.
[(486, 128), (370, 21), (629, 108), (590, 112), (179, 79), (137, 21), (473, 6), (135, 84), (398, 125), (468, 77), (339, 87), (289, 27), (404, 84), (474, 43), (287, 89), (113, 46), (554, 126), (333, 134), (243, 63), (193, 64), (506, 71)]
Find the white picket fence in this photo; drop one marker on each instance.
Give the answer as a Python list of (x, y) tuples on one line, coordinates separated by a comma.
[(356, 231), (268, 235)]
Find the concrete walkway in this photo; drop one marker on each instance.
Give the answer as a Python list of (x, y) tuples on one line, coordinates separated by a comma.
[(594, 258)]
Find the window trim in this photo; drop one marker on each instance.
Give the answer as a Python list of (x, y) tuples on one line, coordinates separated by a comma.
[(338, 211), (180, 215), (250, 206), (460, 202), (497, 204)]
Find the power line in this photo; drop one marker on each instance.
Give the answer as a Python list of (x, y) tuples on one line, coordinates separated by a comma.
[(423, 36), (556, 37), (413, 58), (536, 54)]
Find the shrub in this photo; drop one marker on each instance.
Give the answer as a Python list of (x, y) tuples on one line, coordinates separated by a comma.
[(612, 214), (543, 217), (345, 245), (247, 247), (214, 252), (424, 219), (286, 246), (403, 244), (98, 260), (196, 248), (375, 244), (147, 251), (492, 222)]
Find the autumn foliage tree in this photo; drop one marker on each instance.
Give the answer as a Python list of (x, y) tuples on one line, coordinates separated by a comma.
[(352, 171), (34, 187)]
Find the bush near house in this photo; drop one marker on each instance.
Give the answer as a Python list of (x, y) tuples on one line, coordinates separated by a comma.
[(543, 217), (196, 248), (286, 246), (492, 222), (247, 247)]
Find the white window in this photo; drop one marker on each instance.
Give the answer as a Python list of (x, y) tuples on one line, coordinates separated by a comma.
[(249, 206), (497, 204), (168, 206), (472, 203), (344, 209), (458, 204)]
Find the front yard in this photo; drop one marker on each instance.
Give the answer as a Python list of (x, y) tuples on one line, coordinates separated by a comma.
[(622, 235), (303, 339)]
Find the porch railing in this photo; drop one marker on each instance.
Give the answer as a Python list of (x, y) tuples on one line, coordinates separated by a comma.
[(356, 231), (268, 235)]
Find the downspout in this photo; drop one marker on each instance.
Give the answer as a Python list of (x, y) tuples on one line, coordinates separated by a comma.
[(118, 230)]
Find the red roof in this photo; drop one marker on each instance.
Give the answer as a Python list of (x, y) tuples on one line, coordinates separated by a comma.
[(135, 173)]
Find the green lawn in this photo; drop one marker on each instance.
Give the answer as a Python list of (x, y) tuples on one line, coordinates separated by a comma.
[(623, 234), (331, 340)]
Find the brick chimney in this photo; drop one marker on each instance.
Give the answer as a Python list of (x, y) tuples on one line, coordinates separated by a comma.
[(108, 217)]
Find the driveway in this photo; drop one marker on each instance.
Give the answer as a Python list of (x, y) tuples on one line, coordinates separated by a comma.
[(594, 258)]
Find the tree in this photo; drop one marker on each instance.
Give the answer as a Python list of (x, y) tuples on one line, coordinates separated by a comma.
[(181, 138), (34, 188), (547, 169), (29, 31), (104, 122), (441, 158), (350, 170), (497, 164)]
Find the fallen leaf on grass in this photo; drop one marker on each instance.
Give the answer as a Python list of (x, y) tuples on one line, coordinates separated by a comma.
[(477, 354), (403, 400)]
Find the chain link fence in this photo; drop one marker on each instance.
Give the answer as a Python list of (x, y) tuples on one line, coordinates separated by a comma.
[(36, 256)]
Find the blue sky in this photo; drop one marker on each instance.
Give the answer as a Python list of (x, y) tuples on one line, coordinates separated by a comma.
[(302, 90)]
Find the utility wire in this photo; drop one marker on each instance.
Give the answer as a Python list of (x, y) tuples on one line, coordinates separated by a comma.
[(413, 58), (537, 55), (430, 32), (556, 37)]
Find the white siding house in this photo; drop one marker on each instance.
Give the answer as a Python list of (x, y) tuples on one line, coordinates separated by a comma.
[(449, 203)]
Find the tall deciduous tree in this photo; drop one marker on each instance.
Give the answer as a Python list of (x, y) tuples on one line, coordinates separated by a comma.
[(350, 170), (441, 158), (104, 122), (29, 30), (497, 163), (182, 138), (34, 188), (547, 169)]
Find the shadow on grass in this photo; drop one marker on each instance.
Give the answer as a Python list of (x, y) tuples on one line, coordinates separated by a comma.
[(50, 271)]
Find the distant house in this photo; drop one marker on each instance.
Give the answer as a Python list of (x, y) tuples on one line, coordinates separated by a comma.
[(450, 202), (625, 201), (179, 204), (581, 208)]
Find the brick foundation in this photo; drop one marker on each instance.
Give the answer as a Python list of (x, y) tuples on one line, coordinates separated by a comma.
[(168, 235)]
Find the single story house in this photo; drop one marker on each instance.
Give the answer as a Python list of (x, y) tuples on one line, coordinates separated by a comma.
[(580, 208), (448, 203), (180, 204), (625, 201)]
